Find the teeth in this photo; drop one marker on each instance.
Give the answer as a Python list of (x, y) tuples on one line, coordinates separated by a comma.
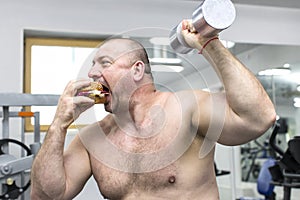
[(96, 92)]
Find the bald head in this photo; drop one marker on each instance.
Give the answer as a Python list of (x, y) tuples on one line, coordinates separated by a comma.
[(131, 48)]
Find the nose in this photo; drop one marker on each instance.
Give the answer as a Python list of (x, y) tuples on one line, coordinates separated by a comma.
[(94, 73)]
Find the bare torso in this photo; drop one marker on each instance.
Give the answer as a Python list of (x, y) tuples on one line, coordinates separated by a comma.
[(176, 172)]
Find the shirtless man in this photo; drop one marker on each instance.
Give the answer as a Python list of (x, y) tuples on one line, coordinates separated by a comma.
[(148, 146)]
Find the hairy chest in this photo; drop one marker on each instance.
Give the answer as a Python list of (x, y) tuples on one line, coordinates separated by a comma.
[(126, 158), (116, 184), (139, 163)]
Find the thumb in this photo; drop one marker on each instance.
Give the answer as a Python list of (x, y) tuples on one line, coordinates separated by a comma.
[(186, 24)]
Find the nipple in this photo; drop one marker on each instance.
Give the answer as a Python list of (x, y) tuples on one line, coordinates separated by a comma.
[(172, 179)]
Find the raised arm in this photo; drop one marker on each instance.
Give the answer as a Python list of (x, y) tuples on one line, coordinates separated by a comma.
[(57, 174), (248, 110)]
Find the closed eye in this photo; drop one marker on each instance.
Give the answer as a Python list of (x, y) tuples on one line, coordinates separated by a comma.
[(105, 63)]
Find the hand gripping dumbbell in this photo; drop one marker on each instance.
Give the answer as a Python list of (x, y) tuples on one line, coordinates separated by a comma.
[(210, 18)]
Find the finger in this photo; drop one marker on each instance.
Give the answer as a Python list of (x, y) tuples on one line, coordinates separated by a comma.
[(81, 104), (188, 25), (83, 101), (192, 29), (74, 85), (185, 24), (82, 83)]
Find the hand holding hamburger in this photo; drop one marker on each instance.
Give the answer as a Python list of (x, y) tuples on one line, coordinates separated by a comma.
[(95, 91)]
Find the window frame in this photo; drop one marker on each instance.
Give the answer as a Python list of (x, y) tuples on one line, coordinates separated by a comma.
[(43, 41)]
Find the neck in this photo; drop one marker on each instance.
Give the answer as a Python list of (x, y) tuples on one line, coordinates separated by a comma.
[(140, 102), (142, 97)]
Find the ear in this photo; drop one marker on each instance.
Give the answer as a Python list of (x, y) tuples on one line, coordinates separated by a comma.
[(138, 70)]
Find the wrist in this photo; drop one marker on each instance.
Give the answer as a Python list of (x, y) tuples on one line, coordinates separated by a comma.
[(58, 126), (207, 43)]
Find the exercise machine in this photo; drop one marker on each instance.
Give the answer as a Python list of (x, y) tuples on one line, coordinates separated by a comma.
[(13, 169), (286, 171), (281, 170)]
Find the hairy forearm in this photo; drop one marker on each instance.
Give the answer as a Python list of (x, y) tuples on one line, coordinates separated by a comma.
[(48, 173)]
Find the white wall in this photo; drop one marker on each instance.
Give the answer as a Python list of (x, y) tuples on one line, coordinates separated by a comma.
[(105, 17)]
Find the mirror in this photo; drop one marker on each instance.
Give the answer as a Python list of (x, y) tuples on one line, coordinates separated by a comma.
[(277, 67)]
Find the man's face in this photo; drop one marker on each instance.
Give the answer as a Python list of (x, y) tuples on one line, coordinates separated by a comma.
[(111, 67)]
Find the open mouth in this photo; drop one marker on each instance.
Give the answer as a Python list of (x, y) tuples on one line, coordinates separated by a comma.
[(97, 91), (105, 89), (105, 93)]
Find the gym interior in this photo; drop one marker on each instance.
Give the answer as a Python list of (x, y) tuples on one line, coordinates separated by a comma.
[(264, 36)]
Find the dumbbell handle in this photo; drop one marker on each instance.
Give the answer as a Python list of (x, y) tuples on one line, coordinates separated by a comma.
[(209, 18)]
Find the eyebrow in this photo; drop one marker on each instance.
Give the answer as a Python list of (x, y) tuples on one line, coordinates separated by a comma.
[(102, 57)]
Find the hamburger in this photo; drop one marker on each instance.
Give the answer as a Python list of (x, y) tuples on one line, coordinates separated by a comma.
[(95, 91)]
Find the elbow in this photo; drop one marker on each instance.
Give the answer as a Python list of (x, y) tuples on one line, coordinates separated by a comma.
[(266, 121), (35, 195), (259, 123), (271, 117), (45, 190), (38, 195)]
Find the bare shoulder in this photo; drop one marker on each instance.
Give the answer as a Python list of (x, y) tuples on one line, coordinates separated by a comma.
[(105, 125), (92, 135), (192, 98), (199, 105), (191, 94)]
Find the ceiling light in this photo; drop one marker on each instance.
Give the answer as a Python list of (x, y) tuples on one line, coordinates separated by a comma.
[(275, 72), (286, 65), (298, 88), (166, 68), (162, 60), (165, 60), (206, 89), (166, 64), (160, 40), (297, 99), (228, 44), (297, 104), (294, 77)]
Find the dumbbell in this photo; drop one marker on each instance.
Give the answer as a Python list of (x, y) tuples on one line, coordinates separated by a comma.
[(209, 18)]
